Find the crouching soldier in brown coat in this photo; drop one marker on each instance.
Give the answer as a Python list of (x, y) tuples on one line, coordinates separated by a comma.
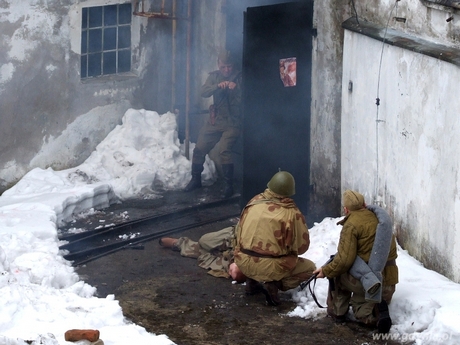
[(270, 236), (360, 238)]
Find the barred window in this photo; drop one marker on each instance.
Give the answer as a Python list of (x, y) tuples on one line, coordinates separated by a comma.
[(105, 40)]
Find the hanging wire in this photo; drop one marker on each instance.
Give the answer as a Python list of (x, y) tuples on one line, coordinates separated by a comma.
[(377, 102), (354, 9)]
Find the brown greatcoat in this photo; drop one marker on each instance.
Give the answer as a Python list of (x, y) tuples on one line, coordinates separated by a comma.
[(357, 238), (273, 231)]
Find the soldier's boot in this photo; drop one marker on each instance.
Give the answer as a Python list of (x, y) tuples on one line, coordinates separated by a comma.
[(195, 182), (336, 318), (384, 321), (253, 287), (227, 170), (270, 290), (169, 242)]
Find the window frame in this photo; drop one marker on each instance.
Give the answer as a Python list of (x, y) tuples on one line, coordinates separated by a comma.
[(97, 59)]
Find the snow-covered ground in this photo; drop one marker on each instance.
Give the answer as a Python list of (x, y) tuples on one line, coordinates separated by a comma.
[(42, 296)]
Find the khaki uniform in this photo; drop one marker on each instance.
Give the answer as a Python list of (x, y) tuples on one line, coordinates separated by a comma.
[(270, 235), (357, 238), (227, 126), (214, 251)]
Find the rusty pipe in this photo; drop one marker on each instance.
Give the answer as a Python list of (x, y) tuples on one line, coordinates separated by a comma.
[(187, 80), (173, 53)]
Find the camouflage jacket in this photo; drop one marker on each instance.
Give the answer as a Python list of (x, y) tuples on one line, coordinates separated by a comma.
[(272, 227)]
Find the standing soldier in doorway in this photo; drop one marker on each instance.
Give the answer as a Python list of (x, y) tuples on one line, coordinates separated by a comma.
[(223, 125)]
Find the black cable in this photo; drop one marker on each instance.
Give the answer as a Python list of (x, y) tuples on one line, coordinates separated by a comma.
[(377, 100), (354, 9), (381, 54)]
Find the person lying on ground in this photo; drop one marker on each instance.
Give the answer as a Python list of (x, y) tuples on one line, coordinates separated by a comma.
[(213, 251)]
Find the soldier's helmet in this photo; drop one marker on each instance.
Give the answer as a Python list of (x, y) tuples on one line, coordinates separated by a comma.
[(282, 183)]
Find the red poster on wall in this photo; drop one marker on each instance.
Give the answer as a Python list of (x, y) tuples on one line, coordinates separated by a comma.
[(288, 68)]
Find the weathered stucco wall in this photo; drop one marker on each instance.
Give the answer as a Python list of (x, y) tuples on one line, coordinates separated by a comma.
[(428, 22), (325, 108), (402, 154), (41, 94), (49, 117)]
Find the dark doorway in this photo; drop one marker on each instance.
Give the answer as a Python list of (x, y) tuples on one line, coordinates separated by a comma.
[(277, 115)]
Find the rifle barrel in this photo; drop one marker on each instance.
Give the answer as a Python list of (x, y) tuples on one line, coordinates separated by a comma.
[(305, 283)]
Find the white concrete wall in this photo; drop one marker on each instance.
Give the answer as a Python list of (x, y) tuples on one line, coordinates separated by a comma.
[(404, 153)]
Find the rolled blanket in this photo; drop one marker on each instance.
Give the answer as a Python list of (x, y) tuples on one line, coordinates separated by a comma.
[(371, 281), (370, 274)]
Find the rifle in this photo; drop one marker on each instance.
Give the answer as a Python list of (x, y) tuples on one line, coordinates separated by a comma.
[(313, 277), (307, 282)]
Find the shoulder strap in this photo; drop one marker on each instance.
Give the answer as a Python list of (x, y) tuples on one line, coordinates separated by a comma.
[(237, 75), (312, 291)]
